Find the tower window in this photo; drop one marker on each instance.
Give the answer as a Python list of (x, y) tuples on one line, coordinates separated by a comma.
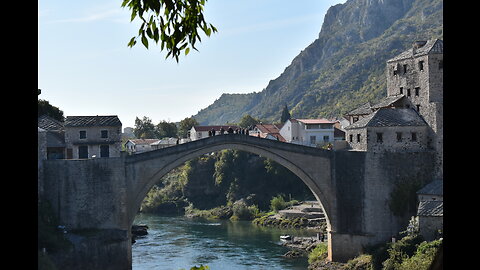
[(408, 92), (420, 65), (379, 137), (404, 69), (414, 136), (417, 91), (401, 90), (399, 136), (358, 137)]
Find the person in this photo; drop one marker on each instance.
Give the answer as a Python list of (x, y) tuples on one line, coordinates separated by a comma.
[(230, 130), (246, 131), (209, 133), (178, 140), (213, 132), (222, 130)]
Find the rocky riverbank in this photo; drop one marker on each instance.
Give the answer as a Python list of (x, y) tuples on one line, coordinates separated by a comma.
[(306, 215)]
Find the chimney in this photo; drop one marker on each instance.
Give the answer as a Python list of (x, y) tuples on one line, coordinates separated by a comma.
[(418, 44)]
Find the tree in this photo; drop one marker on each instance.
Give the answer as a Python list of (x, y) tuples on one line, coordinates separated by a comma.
[(166, 129), (44, 107), (185, 125), (144, 129), (247, 121), (175, 23), (285, 114)]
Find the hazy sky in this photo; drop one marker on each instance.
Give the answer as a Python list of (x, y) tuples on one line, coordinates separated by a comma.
[(86, 68)]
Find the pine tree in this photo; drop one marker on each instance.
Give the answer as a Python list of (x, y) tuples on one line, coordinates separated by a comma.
[(285, 114)]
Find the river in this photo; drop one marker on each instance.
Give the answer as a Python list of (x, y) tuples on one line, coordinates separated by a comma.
[(177, 242)]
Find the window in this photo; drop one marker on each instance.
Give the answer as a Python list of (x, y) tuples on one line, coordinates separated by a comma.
[(408, 92), (404, 69), (104, 151), (355, 119), (418, 107), (399, 136), (417, 91), (104, 134), (313, 139), (358, 137), (313, 126), (420, 65), (326, 138), (351, 138), (401, 90), (83, 151), (414, 136), (83, 134), (440, 64), (379, 137)]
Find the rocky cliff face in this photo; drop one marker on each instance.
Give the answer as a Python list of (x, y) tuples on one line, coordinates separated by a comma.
[(341, 69)]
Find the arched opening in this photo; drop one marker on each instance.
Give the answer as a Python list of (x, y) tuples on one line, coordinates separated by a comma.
[(166, 165)]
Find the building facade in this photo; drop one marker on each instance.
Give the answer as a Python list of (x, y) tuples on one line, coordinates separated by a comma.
[(414, 81), (309, 132), (135, 146), (417, 73), (93, 136)]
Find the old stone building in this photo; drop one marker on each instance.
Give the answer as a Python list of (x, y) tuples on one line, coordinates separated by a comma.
[(93, 136), (415, 82), (389, 129), (417, 74)]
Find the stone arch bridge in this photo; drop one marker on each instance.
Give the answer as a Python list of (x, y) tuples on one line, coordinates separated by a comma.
[(97, 199)]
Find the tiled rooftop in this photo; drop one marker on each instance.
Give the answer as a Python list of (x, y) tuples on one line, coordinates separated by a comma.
[(90, 121), (386, 117)]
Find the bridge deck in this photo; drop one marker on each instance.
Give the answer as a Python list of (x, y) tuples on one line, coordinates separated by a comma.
[(229, 139)]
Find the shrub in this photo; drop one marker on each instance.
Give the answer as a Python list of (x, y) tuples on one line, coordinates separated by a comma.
[(320, 252), (422, 258), (277, 203), (362, 262), (401, 250)]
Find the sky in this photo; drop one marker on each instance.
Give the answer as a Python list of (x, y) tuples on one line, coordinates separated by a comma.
[(86, 68)]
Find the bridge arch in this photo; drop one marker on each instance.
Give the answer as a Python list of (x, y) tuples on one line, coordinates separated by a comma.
[(148, 168)]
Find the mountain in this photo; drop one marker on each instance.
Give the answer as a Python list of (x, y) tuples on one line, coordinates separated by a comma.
[(343, 68)]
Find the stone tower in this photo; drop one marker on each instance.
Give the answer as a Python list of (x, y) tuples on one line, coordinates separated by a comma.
[(418, 74)]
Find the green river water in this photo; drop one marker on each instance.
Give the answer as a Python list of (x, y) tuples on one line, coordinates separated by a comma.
[(176, 242)]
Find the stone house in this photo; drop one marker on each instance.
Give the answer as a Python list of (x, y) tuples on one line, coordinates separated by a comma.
[(135, 146), (430, 210), (389, 129), (54, 135), (309, 132), (200, 132), (93, 136)]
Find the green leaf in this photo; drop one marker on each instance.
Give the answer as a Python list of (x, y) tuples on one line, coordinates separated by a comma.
[(187, 50), (132, 42), (144, 41), (208, 31)]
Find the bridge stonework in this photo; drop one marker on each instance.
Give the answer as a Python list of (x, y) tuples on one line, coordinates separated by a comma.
[(102, 196)]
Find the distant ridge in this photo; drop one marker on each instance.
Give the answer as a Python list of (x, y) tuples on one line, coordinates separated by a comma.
[(342, 69)]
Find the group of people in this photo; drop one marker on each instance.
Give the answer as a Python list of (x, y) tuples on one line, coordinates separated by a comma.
[(230, 130)]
